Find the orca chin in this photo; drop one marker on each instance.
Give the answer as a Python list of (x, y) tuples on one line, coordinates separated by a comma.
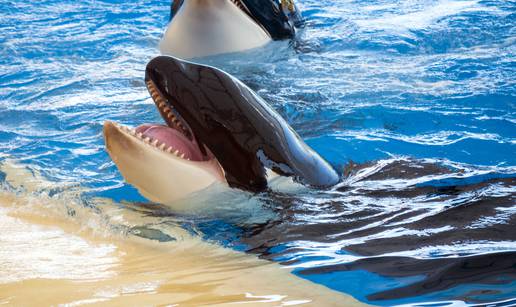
[(201, 28)]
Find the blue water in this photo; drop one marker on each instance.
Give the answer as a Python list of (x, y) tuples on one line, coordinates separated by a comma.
[(413, 102)]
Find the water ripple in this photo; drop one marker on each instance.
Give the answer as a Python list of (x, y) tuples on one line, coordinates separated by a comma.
[(413, 103)]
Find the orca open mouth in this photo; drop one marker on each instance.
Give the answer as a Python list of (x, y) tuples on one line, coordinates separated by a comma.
[(176, 137)]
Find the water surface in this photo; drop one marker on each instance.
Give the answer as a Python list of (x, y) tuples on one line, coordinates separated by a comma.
[(413, 102)]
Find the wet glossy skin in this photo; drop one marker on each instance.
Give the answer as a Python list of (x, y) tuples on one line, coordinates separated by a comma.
[(267, 13), (243, 132), (174, 7), (272, 17)]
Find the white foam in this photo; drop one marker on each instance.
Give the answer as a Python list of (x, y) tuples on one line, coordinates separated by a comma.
[(428, 13)]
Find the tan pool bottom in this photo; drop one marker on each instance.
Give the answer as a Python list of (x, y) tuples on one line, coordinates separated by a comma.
[(50, 258)]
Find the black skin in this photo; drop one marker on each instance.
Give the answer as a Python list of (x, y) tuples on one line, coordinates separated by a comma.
[(174, 7), (270, 15), (267, 13), (243, 132)]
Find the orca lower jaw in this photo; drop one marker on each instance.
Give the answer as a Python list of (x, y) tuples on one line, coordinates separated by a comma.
[(161, 173)]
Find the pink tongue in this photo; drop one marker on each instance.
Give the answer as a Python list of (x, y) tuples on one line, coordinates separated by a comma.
[(172, 138)]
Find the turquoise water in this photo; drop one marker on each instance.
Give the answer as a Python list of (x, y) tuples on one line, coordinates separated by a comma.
[(413, 103)]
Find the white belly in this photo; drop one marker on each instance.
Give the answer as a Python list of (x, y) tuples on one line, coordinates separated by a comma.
[(209, 27)]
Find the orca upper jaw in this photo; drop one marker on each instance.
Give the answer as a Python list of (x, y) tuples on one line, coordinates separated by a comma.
[(209, 27)]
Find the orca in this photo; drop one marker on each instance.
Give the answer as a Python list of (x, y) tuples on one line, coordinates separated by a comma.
[(217, 130), (200, 28)]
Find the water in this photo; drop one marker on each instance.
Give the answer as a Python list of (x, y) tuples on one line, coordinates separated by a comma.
[(412, 102), (56, 251)]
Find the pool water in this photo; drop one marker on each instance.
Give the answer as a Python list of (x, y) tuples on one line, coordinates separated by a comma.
[(412, 102)]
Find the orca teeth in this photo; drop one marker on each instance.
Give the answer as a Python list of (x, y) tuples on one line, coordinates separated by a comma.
[(126, 129), (166, 110), (153, 142)]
